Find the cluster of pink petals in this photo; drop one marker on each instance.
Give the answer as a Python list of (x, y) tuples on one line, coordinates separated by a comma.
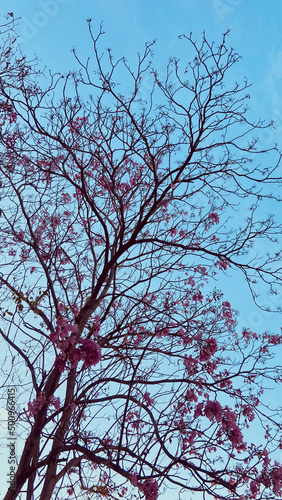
[(88, 351), (208, 349), (213, 410), (269, 479), (191, 365), (148, 400), (227, 314), (38, 403), (231, 429), (150, 487), (226, 418), (214, 218), (198, 297), (62, 331), (9, 112), (248, 412)]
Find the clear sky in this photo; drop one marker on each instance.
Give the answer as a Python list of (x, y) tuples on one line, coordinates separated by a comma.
[(50, 28)]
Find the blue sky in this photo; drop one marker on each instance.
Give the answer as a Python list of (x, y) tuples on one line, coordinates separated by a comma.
[(50, 28)]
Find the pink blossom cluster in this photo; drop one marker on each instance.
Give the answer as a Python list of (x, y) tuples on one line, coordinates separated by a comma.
[(191, 396), (213, 410), (214, 218), (248, 413), (222, 264), (270, 478), (162, 333), (208, 350), (248, 335), (148, 400), (9, 112), (184, 335), (231, 429), (150, 487), (131, 416), (88, 351), (227, 314), (76, 125), (191, 365), (21, 235), (198, 297), (62, 330), (227, 419), (272, 339), (66, 197), (198, 410), (38, 403)]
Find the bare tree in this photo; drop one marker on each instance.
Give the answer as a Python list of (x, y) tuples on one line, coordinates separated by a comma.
[(116, 216)]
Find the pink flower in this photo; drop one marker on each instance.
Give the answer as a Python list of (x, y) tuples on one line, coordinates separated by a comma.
[(229, 419), (198, 297), (214, 218), (254, 487), (213, 410), (208, 350), (91, 352), (191, 396), (192, 436), (274, 339), (55, 402), (37, 404), (227, 314), (191, 281), (248, 412), (60, 362), (147, 399), (134, 479), (222, 265), (66, 197), (199, 410), (150, 488), (235, 436), (54, 336), (191, 365), (21, 235), (277, 479)]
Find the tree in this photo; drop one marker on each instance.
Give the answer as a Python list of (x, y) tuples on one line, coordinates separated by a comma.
[(117, 215)]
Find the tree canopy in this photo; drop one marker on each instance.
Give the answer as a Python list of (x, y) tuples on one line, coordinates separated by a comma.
[(117, 215)]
